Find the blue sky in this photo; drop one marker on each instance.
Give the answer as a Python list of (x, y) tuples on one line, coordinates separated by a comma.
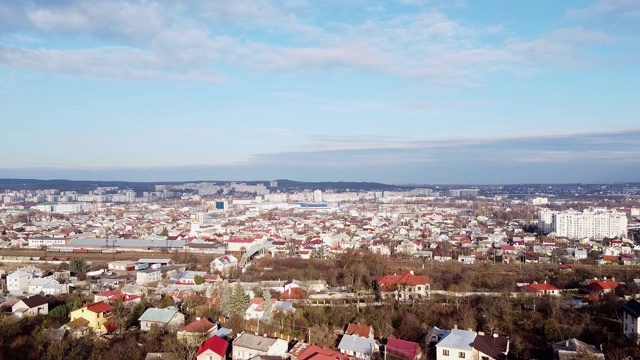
[(404, 91)]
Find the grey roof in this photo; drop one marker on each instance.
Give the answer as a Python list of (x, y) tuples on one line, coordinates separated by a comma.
[(632, 307), (154, 261), (222, 332), (159, 315), (255, 342), (39, 281), (282, 306), (357, 344), (574, 349), (458, 339), (127, 243)]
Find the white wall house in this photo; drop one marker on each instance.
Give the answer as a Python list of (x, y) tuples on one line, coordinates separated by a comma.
[(631, 320), (458, 344), (248, 345), (18, 282), (147, 276)]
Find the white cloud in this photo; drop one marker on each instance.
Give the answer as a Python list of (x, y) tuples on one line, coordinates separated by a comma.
[(191, 41)]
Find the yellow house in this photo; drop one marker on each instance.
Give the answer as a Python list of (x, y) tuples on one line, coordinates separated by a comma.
[(96, 314)]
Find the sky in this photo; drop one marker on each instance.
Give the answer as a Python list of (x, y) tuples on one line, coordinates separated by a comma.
[(395, 91)]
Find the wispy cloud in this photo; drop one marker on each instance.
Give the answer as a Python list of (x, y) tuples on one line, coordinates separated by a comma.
[(193, 41), (362, 151)]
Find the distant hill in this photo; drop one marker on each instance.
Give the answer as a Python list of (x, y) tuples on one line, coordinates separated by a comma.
[(84, 186), (339, 185)]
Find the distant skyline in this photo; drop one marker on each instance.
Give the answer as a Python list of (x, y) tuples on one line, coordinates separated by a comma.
[(403, 91)]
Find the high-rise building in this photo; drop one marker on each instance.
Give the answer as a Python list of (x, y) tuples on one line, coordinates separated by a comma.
[(595, 223), (317, 196), (463, 192)]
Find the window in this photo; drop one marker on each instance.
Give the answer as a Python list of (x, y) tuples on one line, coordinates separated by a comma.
[(445, 352), (461, 355)]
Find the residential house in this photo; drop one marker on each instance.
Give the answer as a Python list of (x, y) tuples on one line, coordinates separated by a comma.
[(292, 293), (312, 286), (197, 330), (574, 349), (298, 349), (360, 330), (223, 263), (490, 347), (458, 344), (402, 349), (112, 296), (47, 286), (122, 265), (357, 347), (441, 255), (169, 319), (247, 345), (314, 352), (133, 289), (96, 315), (214, 348), (76, 328), (187, 277), (435, 335), (144, 277), (467, 259), (33, 305), (580, 254), (256, 308), (541, 289), (406, 286), (600, 287), (631, 320), (18, 282), (239, 245), (407, 247)]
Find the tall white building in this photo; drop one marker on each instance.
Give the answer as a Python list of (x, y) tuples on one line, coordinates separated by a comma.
[(545, 220), (595, 223), (317, 196)]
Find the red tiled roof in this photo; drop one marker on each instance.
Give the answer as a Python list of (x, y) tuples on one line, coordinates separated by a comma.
[(293, 293), (403, 349), (113, 295), (238, 240), (389, 282), (358, 330), (199, 326), (314, 352), (603, 285), (216, 344), (99, 307)]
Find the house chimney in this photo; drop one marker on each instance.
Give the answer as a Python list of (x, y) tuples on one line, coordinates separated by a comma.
[(455, 326), (481, 333), (411, 272), (197, 318), (495, 336), (470, 329)]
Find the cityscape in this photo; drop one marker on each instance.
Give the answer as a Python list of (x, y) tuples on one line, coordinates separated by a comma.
[(319, 180), (272, 269)]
